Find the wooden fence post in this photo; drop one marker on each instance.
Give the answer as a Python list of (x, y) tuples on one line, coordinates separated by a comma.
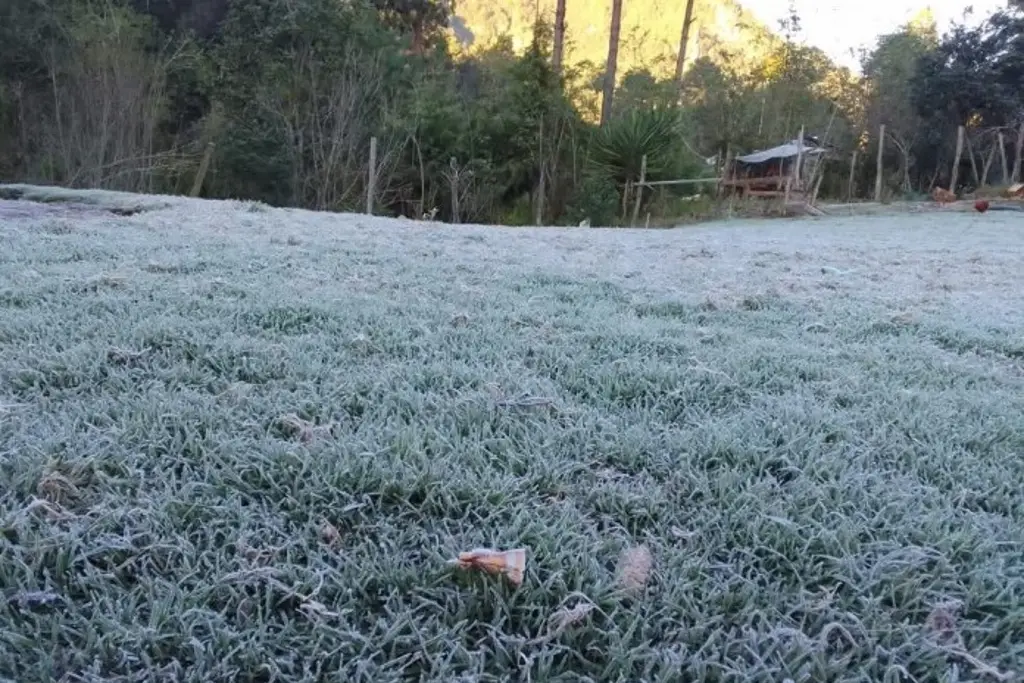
[(204, 166), (371, 184), (1015, 177), (956, 158), (454, 182), (538, 209), (639, 191), (724, 176), (853, 169), (878, 163), (1002, 157)]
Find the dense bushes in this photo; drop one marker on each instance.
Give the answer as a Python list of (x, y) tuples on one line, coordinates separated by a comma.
[(128, 95)]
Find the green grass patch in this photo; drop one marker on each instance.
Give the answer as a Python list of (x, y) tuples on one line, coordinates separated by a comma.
[(257, 466)]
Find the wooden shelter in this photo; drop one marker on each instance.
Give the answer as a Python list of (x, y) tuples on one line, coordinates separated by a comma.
[(781, 171)]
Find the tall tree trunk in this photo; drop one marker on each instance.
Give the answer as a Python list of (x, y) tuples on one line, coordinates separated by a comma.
[(613, 63), (683, 40), (559, 46)]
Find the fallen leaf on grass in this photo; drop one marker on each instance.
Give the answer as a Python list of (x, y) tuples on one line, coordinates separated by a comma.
[(566, 617), (54, 487), (119, 356), (635, 568), (511, 563), (304, 430), (329, 533), (942, 624)]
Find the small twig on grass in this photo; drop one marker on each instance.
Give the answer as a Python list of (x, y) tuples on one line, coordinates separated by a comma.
[(526, 402), (695, 364), (54, 511)]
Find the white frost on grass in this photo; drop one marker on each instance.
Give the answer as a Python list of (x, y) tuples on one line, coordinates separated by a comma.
[(814, 426)]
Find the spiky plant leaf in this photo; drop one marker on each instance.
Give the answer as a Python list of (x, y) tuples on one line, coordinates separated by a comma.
[(619, 148)]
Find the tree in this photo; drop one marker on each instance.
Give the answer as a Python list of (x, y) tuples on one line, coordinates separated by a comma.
[(683, 41), (612, 64), (889, 72), (558, 52), (420, 19), (974, 78)]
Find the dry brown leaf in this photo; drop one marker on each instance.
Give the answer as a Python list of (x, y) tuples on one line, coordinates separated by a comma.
[(511, 563), (329, 534), (120, 356), (942, 624), (566, 617), (257, 556), (304, 430), (635, 567), (54, 487)]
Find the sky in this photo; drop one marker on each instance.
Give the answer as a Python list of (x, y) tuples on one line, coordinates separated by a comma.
[(837, 26)]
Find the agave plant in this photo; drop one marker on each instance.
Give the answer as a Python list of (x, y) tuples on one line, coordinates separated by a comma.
[(619, 147)]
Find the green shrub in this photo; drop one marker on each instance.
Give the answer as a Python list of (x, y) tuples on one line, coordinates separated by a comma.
[(596, 197)]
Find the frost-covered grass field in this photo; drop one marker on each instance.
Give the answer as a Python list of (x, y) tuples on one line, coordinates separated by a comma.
[(241, 444)]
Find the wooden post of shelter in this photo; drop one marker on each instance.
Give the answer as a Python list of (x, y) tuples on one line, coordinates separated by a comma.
[(878, 163), (798, 170), (956, 158), (987, 167), (793, 180), (371, 183), (974, 163), (639, 191), (1002, 157), (849, 183), (204, 166)]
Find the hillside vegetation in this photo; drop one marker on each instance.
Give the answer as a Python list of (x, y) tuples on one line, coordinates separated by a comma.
[(650, 35), (286, 97)]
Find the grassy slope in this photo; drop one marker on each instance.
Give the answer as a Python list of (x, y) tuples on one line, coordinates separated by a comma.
[(815, 426)]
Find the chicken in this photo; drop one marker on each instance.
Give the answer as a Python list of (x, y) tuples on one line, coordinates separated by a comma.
[(943, 196)]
